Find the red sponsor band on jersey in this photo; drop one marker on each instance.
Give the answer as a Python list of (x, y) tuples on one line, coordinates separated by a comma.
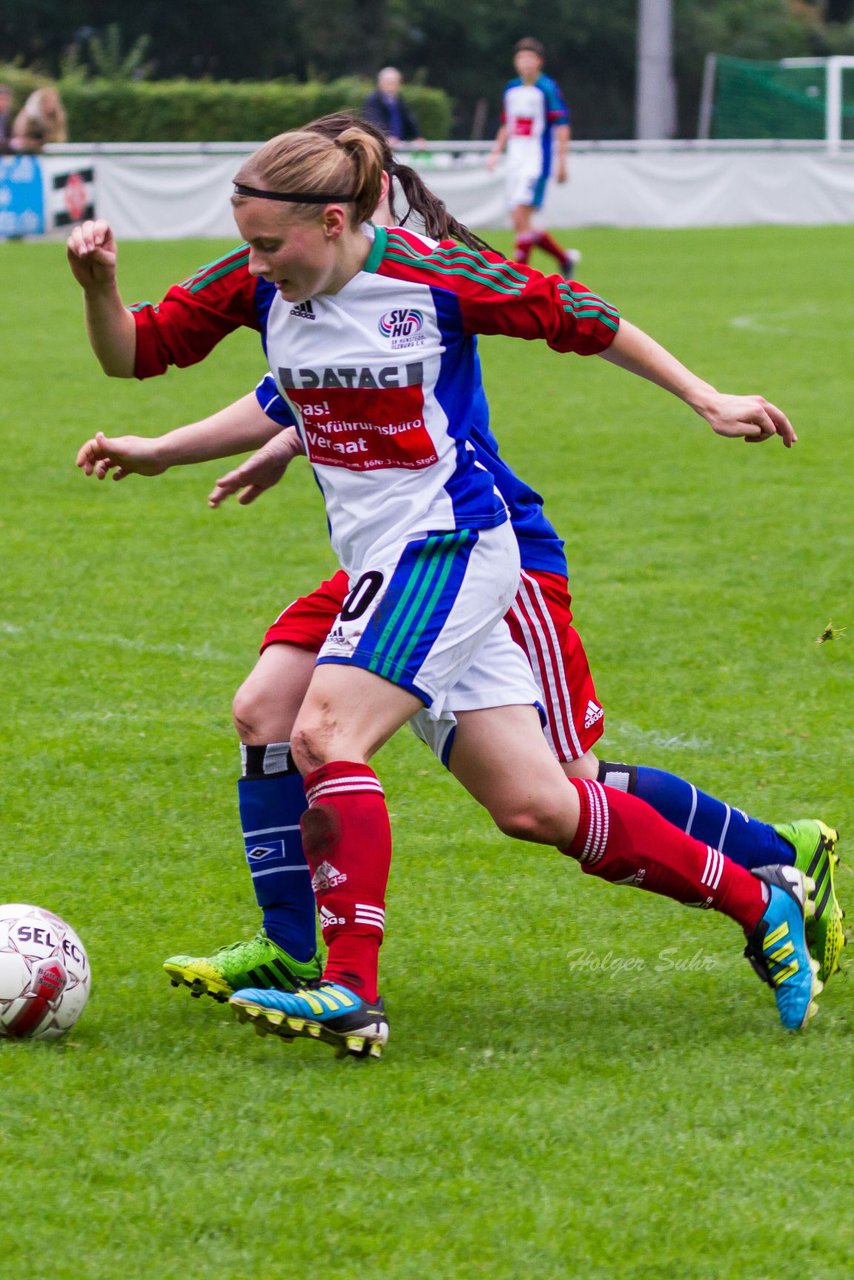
[(523, 126), (365, 430)]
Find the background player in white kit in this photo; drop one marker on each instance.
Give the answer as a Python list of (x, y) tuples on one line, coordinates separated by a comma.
[(534, 116)]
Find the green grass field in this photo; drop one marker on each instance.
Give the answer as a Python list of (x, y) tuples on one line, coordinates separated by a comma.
[(582, 1081)]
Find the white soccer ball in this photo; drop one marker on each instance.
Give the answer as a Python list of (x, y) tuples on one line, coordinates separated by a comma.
[(44, 974)]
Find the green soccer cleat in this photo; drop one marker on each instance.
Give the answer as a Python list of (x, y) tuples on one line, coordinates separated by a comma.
[(777, 947), (258, 962), (815, 856), (328, 1011)]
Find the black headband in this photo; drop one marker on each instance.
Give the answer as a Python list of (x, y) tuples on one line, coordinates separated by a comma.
[(291, 197)]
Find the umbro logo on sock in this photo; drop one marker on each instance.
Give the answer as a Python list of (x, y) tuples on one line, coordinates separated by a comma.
[(593, 713), (327, 877), (303, 311)]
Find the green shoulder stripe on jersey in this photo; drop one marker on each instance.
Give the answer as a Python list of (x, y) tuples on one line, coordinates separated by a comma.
[(470, 264), (477, 260), (479, 263), (139, 306), (595, 314), (212, 271), (500, 276), (575, 296), (442, 269), (587, 306)]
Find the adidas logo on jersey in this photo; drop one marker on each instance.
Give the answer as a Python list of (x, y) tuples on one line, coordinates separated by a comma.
[(593, 713), (303, 311), (326, 877)]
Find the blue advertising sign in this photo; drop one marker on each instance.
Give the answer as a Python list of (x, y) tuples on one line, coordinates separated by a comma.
[(21, 197)]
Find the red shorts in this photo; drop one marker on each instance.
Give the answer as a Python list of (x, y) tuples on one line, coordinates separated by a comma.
[(540, 622), (307, 622)]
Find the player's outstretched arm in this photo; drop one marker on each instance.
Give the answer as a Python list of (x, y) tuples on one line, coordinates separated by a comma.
[(260, 472), (751, 417), (92, 257), (241, 426)]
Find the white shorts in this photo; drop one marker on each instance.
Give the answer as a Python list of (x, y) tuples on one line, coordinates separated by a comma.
[(428, 617), (499, 676), (525, 182)]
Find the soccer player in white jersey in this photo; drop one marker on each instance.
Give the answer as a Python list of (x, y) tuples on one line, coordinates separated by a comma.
[(381, 384), (534, 116), (183, 329)]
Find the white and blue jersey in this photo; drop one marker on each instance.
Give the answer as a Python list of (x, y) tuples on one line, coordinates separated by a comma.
[(396, 427), (540, 546), (529, 114), (382, 380)]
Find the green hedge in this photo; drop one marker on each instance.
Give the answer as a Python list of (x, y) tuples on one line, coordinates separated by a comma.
[(22, 82), (209, 111)]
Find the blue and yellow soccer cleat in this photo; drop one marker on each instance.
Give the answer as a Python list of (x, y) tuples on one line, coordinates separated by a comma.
[(815, 855), (328, 1011), (777, 947), (258, 962)]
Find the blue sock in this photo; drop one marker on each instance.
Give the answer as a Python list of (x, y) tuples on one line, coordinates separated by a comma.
[(745, 840), (271, 805)]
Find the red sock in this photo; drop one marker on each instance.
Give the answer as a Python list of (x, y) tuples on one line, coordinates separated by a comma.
[(347, 843), (543, 240), (523, 245), (624, 840)]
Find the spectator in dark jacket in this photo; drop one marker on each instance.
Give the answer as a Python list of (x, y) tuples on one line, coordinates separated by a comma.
[(385, 109)]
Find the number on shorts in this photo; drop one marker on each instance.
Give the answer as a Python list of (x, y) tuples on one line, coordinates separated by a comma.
[(362, 595)]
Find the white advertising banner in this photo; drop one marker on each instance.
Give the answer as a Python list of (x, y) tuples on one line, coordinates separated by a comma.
[(151, 195)]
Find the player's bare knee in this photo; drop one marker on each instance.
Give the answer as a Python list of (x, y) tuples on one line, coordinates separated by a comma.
[(532, 823), (309, 747), (247, 712), (586, 766)]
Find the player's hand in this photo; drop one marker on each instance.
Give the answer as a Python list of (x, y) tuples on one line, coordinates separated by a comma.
[(562, 173), (259, 473), (123, 455), (752, 417), (92, 253), (492, 160)]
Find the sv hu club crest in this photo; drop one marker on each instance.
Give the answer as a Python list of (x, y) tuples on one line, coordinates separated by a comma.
[(403, 322)]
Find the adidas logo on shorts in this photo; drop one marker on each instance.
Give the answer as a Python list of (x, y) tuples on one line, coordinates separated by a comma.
[(593, 713)]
